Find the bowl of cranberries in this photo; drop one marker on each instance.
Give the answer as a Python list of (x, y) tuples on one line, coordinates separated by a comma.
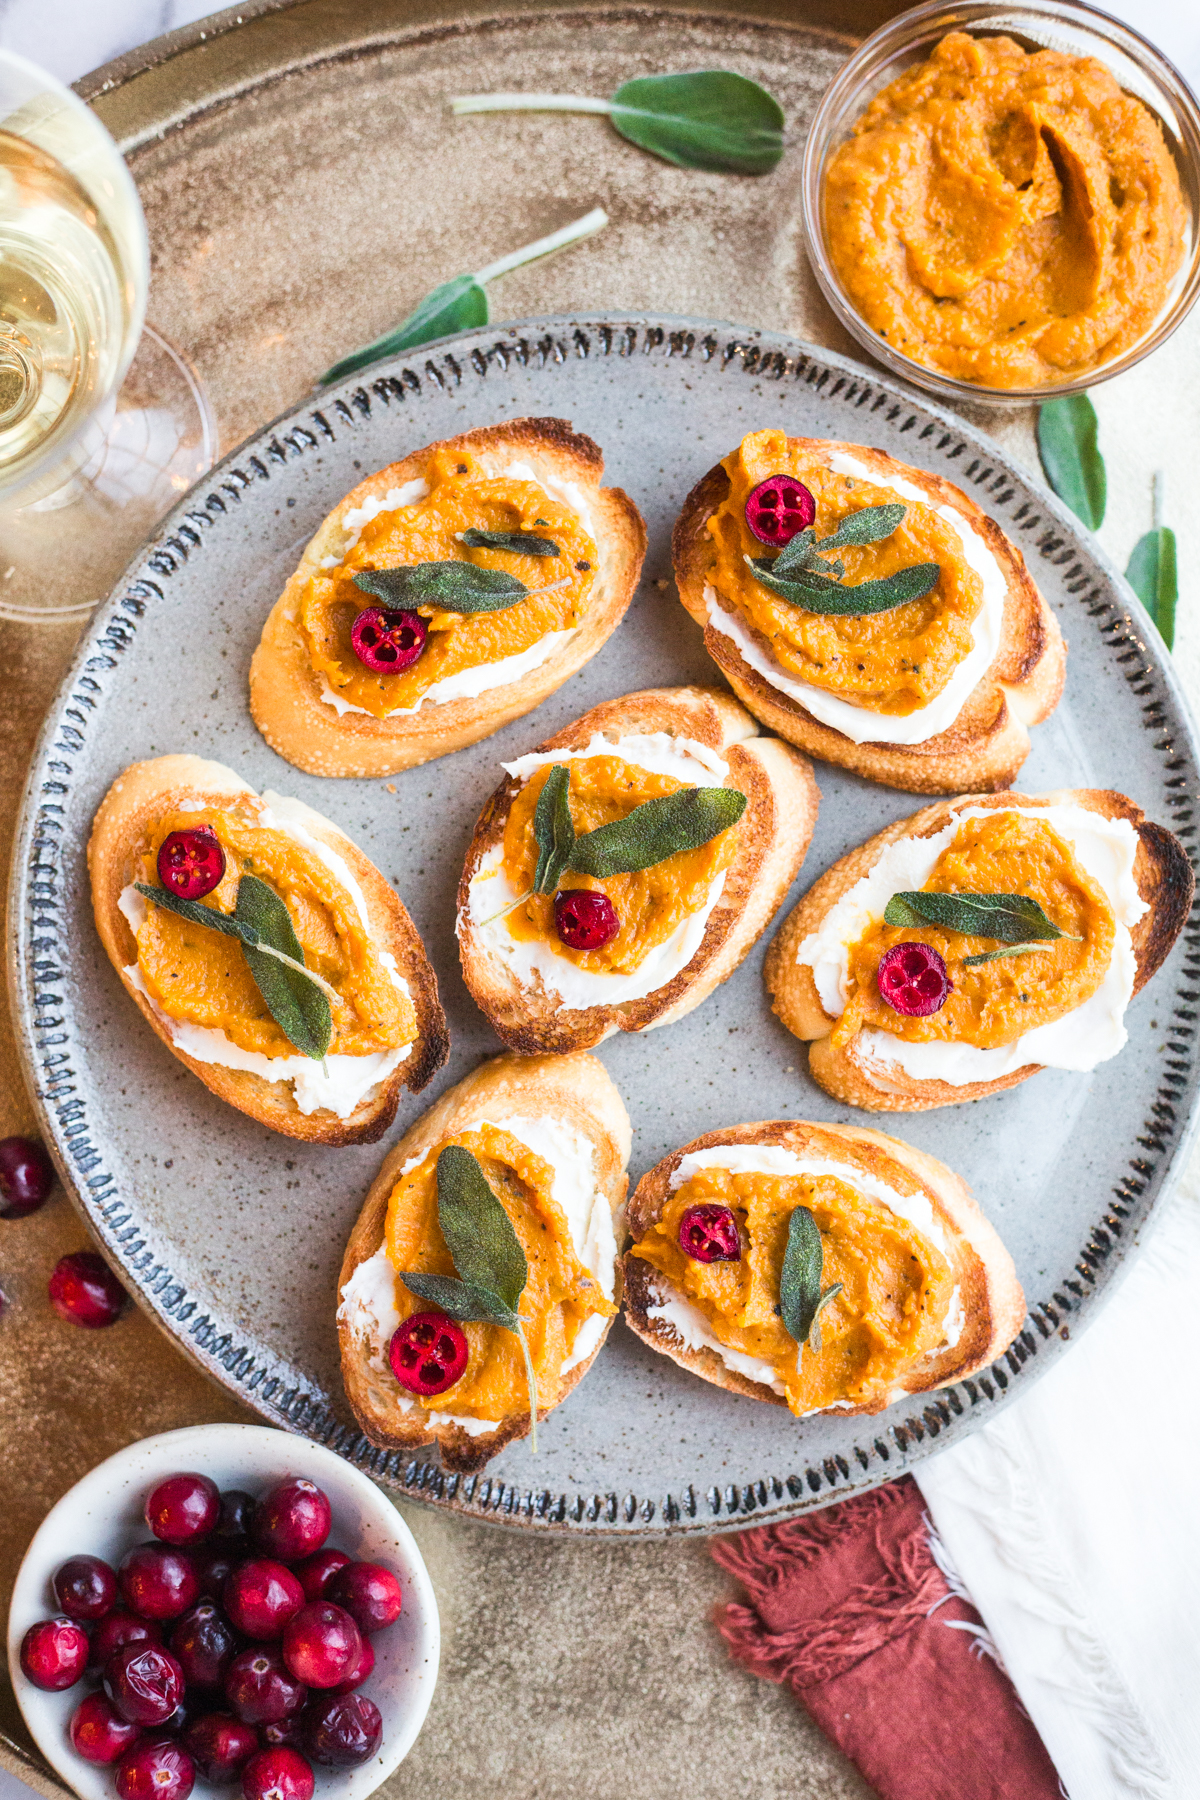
[(223, 1610)]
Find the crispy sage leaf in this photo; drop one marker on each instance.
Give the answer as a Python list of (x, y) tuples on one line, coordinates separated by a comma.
[(451, 586), (971, 962), (1013, 918), (800, 1279), (1154, 578), (1067, 437), (521, 543), (657, 829), (478, 1232), (455, 305), (827, 596), (553, 830), (461, 1300), (814, 1331), (869, 525), (704, 119)]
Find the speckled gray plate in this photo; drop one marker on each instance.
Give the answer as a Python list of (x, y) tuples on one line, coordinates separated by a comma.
[(232, 1237)]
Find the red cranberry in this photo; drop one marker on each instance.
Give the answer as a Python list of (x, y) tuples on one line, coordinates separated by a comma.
[(370, 1593), (115, 1630), (97, 1731), (385, 641), (219, 1744), (261, 1688), (85, 1587), (359, 1673), (213, 1562), (316, 1572), (203, 1644), (428, 1353), (261, 1596), (293, 1520), (156, 1769), (158, 1582), (913, 980), (26, 1177), (277, 1774), (710, 1234), (54, 1653), (84, 1291), (585, 919), (191, 863), (778, 508), (321, 1644), (237, 1514), (144, 1683), (343, 1730), (284, 1731), (183, 1508)]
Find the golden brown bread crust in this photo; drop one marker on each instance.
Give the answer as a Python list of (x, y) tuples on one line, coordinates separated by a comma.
[(285, 693), (988, 742), (143, 794), (992, 1300), (1164, 878), (774, 835), (575, 1089)]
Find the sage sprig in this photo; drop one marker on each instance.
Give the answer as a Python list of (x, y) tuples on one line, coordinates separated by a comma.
[(488, 1259), (701, 119), (1153, 571), (1068, 444), (1012, 918), (521, 543), (801, 576), (653, 831), (458, 587), (801, 1296), (297, 997)]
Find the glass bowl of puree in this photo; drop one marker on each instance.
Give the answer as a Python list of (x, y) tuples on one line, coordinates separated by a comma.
[(1002, 203)]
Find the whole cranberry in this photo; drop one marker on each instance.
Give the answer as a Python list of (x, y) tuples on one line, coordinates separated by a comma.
[(292, 1521), (115, 1630), (261, 1688), (156, 1769), (84, 1291), (343, 1730), (359, 1673), (585, 919), (144, 1683), (157, 1582), (237, 1514), (183, 1508), (261, 1596), (85, 1587), (316, 1572), (369, 1592), (219, 1744), (321, 1644), (203, 1644), (97, 1731), (214, 1562), (277, 1774), (54, 1653), (284, 1731), (26, 1177)]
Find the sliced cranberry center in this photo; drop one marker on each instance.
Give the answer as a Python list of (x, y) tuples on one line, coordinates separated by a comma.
[(191, 863), (778, 508), (710, 1234), (385, 641), (913, 980), (428, 1353), (585, 919)]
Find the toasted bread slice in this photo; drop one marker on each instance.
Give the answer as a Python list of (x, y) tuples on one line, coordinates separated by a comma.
[(1164, 879), (993, 1305), (775, 831), (574, 1090), (285, 692), (988, 742), (140, 797)]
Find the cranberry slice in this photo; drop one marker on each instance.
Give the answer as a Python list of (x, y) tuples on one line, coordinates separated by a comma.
[(385, 641), (585, 919), (710, 1234), (192, 862), (913, 980), (778, 508), (26, 1177), (428, 1353)]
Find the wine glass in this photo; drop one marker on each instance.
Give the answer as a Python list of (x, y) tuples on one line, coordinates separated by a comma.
[(102, 423)]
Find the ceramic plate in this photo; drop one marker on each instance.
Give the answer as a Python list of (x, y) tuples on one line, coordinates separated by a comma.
[(232, 1237)]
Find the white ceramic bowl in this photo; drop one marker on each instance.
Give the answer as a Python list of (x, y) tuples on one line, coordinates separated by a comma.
[(102, 1515)]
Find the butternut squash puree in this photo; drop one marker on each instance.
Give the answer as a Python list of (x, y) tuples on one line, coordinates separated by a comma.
[(650, 903), (1006, 217), (995, 1003), (888, 662), (460, 498), (559, 1296), (895, 1295), (201, 976)]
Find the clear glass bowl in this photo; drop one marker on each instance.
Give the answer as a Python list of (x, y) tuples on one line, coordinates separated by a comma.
[(1062, 25)]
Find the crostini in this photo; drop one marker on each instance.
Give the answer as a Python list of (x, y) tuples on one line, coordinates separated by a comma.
[(923, 668), (531, 1151), (264, 949), (625, 867), (819, 1267), (987, 937), (446, 595)]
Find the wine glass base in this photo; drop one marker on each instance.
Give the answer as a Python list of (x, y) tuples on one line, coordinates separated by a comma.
[(61, 555)]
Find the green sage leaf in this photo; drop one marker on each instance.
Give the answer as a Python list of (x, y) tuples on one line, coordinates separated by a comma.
[(1068, 444), (478, 1232), (970, 962), (1013, 918), (830, 596), (704, 119), (455, 305), (208, 916), (657, 829), (298, 1007), (1153, 576), (800, 1279), (869, 525), (461, 1300), (814, 1330), (521, 543), (553, 830), (451, 586)]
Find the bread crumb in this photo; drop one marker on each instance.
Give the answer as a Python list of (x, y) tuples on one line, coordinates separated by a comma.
[(391, 787)]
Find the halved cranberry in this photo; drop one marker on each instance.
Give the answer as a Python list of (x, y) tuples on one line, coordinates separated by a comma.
[(343, 1730), (144, 1683), (157, 1582), (97, 1731), (182, 1508), (203, 1644), (277, 1774), (370, 1593), (261, 1596), (261, 1688), (219, 1744), (54, 1654), (191, 863), (84, 1291), (709, 1234), (293, 1520), (85, 1587), (214, 1562), (156, 1769), (321, 1644), (585, 919), (237, 1514), (913, 980), (26, 1177), (115, 1630), (386, 642), (428, 1353), (359, 1673), (317, 1571), (778, 508)]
